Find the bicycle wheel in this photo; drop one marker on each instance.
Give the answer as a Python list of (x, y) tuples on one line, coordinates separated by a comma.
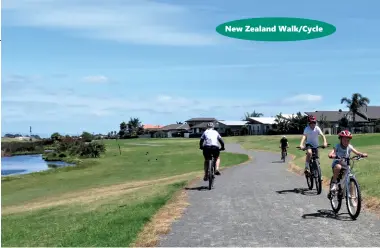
[(210, 174), (283, 156), (335, 199), (349, 199), (309, 179), (318, 178)]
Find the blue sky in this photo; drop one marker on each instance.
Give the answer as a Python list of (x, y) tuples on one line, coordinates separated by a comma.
[(74, 65)]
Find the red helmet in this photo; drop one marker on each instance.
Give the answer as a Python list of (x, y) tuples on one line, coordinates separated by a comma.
[(345, 133), (312, 119)]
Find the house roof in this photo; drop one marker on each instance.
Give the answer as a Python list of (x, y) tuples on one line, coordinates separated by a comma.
[(201, 125), (263, 120), (184, 126), (234, 123), (202, 119), (333, 115), (372, 112), (150, 126)]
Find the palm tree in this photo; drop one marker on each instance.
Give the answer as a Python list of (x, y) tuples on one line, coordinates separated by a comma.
[(355, 104), (253, 114)]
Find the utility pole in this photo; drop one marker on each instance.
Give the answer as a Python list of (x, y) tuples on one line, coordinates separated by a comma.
[(30, 133)]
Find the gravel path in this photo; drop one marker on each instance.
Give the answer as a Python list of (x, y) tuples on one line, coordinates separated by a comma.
[(263, 204)]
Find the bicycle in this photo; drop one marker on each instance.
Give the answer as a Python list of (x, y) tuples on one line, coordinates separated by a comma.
[(211, 170), (315, 169), (345, 178), (284, 153)]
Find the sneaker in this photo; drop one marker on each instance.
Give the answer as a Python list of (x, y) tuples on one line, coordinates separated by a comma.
[(205, 178), (333, 187), (217, 172)]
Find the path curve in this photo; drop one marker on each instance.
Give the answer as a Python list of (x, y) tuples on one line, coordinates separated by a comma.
[(257, 205)]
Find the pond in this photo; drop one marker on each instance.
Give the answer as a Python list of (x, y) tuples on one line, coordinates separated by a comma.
[(24, 164)]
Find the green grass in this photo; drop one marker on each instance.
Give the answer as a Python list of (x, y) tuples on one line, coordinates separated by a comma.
[(367, 170), (113, 223), (172, 157)]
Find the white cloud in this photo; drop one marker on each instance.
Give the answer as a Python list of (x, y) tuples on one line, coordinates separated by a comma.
[(133, 21), (96, 79), (303, 98), (36, 104)]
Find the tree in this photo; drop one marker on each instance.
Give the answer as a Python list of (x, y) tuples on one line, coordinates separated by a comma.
[(123, 129), (354, 104), (281, 124), (56, 136), (253, 114), (87, 137), (135, 126), (323, 122)]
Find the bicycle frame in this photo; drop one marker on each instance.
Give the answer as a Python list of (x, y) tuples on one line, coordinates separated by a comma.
[(344, 178)]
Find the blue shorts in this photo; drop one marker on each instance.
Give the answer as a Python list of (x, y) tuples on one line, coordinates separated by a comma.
[(338, 161)]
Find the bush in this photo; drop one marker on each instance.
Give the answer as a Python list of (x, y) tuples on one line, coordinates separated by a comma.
[(92, 149)]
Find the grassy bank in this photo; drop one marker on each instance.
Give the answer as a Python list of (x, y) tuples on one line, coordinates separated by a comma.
[(108, 199), (114, 222), (367, 170)]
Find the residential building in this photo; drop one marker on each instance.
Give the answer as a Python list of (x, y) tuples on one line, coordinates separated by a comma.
[(175, 129), (372, 113), (231, 127), (260, 125), (329, 120), (198, 125)]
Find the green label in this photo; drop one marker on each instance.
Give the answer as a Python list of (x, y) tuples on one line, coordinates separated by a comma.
[(276, 29)]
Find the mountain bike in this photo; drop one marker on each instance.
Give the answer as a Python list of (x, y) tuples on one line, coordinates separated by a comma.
[(211, 171), (345, 179), (284, 153), (315, 174)]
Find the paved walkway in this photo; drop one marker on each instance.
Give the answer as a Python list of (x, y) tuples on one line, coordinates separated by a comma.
[(263, 204)]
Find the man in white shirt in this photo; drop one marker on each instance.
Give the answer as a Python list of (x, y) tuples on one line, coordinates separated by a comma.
[(209, 144), (311, 135)]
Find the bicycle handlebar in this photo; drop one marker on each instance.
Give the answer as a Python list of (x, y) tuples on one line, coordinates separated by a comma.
[(313, 147), (357, 157)]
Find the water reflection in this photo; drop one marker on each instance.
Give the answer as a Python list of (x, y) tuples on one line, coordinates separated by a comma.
[(25, 164)]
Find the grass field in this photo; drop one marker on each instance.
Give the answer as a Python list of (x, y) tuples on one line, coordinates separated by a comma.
[(104, 203), (367, 170)]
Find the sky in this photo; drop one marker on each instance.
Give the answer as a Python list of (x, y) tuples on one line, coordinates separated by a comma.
[(87, 65)]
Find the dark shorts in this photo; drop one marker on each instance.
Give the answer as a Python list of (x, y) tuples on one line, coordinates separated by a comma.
[(209, 151)]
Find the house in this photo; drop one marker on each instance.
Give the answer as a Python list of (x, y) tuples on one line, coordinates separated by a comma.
[(261, 125), (329, 120), (372, 113), (175, 129), (231, 127), (150, 127), (198, 125)]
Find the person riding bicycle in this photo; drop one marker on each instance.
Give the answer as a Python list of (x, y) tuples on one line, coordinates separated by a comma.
[(311, 135), (284, 144), (209, 144), (342, 150)]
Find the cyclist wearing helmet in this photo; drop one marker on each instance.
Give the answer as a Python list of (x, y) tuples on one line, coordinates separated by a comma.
[(342, 150), (311, 135), (284, 143), (209, 144)]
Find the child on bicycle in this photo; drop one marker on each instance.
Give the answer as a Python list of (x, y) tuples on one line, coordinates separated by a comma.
[(342, 150)]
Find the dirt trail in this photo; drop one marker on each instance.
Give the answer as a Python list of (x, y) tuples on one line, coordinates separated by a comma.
[(90, 195)]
